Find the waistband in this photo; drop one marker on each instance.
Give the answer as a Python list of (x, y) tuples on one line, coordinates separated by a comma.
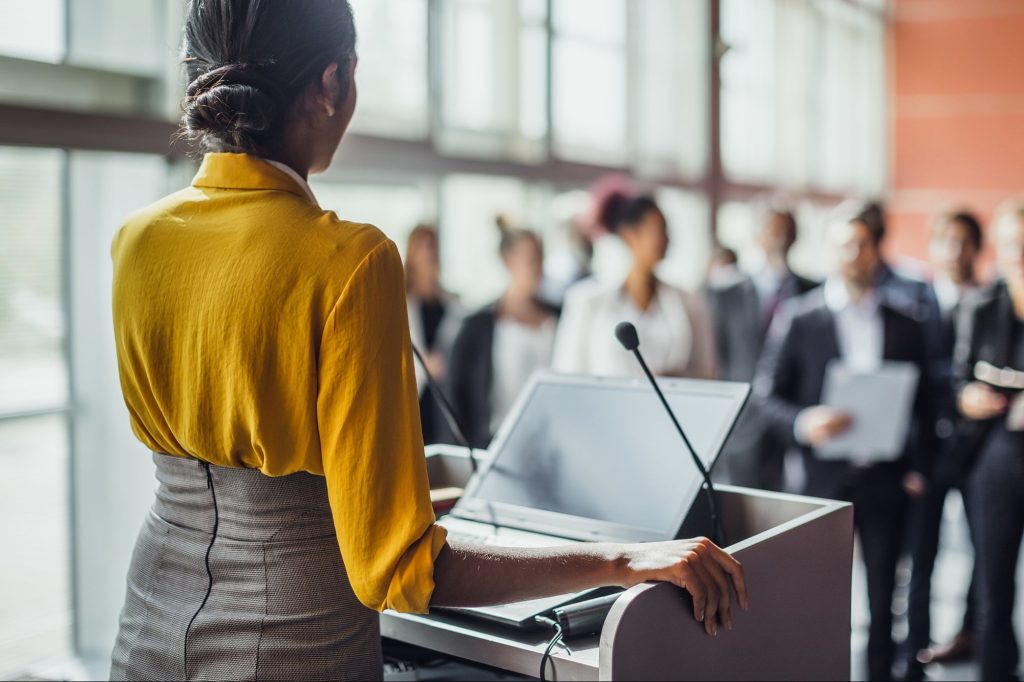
[(250, 505)]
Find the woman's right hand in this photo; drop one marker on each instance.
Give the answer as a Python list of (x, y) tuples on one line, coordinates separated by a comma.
[(698, 566), (978, 402)]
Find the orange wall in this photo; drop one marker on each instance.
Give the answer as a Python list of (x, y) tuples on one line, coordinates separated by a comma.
[(957, 111)]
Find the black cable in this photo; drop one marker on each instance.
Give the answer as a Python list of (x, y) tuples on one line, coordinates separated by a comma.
[(718, 535), (209, 549), (555, 641), (447, 411), (547, 654)]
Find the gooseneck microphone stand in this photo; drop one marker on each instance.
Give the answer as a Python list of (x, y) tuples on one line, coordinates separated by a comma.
[(627, 335)]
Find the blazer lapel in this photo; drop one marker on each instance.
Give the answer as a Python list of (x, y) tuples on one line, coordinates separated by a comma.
[(890, 336), (828, 333)]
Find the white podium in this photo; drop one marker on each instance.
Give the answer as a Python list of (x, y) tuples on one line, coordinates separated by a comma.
[(797, 554)]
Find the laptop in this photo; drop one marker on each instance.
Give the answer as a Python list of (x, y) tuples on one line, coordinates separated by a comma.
[(589, 459)]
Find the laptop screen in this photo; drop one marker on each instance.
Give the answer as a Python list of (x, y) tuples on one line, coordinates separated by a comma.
[(606, 450)]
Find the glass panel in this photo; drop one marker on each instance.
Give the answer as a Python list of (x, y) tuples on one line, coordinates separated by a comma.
[(128, 36), (494, 85), (395, 209), (35, 597), (533, 76), (806, 258), (798, 27), (690, 234), (737, 229), (748, 89), (474, 83), (602, 21), (113, 481), (469, 237), (589, 72), (590, 100), (33, 29), (392, 71), (32, 361), (670, 80)]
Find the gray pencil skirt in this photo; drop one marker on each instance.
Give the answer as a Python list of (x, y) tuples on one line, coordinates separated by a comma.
[(279, 604)]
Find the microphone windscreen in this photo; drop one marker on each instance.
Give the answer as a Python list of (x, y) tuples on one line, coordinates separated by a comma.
[(626, 333)]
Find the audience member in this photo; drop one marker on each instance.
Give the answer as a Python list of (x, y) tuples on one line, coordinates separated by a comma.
[(675, 328), (501, 346), (913, 296), (955, 246), (742, 312), (434, 320), (848, 320), (723, 268), (993, 332)]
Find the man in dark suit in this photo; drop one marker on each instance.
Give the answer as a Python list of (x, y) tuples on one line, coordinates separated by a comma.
[(955, 246), (742, 311), (992, 404), (847, 320)]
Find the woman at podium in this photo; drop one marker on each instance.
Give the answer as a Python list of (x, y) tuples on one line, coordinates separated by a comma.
[(264, 355)]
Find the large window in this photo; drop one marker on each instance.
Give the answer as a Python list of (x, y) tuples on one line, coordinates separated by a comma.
[(803, 94), (392, 71), (590, 93), (32, 29), (35, 603), (494, 66), (669, 87)]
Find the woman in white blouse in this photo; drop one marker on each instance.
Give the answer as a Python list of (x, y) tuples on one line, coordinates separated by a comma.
[(501, 346), (675, 329)]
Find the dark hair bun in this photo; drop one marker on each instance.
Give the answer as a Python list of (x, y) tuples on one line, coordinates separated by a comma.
[(234, 106), (610, 210), (250, 63), (619, 211)]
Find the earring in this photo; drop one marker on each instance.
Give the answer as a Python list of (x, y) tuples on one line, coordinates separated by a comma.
[(330, 111)]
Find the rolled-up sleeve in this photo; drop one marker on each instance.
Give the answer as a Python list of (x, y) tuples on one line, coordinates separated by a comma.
[(371, 442)]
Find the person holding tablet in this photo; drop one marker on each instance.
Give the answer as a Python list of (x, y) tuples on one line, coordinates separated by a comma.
[(264, 355), (846, 320)]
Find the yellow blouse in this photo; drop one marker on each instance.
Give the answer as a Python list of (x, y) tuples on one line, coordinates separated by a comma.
[(256, 330)]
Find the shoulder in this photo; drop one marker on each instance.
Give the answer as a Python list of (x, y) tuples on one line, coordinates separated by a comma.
[(803, 309), (805, 285), (480, 319), (587, 292), (985, 302)]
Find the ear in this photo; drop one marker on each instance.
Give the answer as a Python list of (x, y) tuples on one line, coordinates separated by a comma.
[(329, 89)]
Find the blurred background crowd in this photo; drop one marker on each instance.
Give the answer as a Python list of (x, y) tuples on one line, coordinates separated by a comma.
[(760, 185)]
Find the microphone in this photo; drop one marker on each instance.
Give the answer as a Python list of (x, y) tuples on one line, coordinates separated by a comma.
[(446, 409), (627, 335)]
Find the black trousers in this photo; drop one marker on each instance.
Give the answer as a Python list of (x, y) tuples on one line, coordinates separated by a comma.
[(881, 509), (997, 508), (925, 527)]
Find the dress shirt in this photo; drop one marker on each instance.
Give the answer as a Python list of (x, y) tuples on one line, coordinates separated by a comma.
[(768, 281), (860, 333), (675, 333), (299, 180), (255, 330), (859, 328), (519, 350), (950, 294)]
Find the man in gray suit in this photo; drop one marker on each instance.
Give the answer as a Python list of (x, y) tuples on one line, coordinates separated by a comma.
[(743, 310)]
